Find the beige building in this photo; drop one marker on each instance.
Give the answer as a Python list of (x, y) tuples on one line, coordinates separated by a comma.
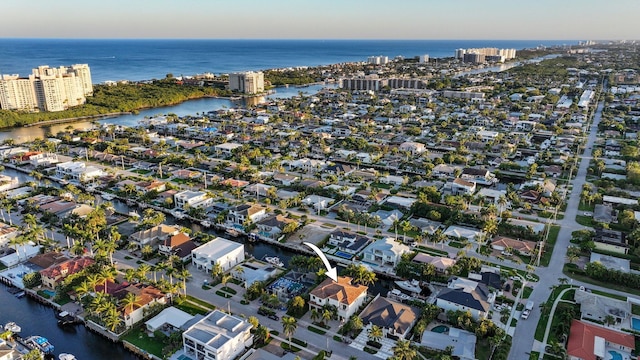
[(46, 89), (248, 82)]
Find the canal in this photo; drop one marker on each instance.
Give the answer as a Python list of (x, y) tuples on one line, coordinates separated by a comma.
[(37, 319)]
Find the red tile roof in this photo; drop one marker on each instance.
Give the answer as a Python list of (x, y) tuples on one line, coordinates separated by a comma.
[(582, 335), (342, 290), (66, 268)]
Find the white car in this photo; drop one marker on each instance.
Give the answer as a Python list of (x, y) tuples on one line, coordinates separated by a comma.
[(525, 314)]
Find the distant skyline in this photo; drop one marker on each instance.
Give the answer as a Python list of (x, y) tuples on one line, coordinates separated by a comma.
[(326, 19)]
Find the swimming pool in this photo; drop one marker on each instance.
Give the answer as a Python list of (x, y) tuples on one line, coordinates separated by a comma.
[(635, 323), (49, 292), (440, 329), (343, 254), (615, 355)]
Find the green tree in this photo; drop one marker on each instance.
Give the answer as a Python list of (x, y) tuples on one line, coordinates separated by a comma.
[(289, 326), (403, 350), (374, 333)]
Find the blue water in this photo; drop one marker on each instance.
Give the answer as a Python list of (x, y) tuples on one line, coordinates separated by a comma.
[(343, 254), (149, 59), (635, 324), (615, 355)]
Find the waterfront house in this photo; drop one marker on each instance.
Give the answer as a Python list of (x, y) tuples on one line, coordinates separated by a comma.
[(273, 226), (6, 234), (348, 241), (384, 252), (146, 296), (168, 320), (466, 295), (221, 251), (158, 233), (52, 275), (246, 212), (346, 297), (191, 199), (217, 336), (153, 185), (394, 318), (441, 264), (78, 171)]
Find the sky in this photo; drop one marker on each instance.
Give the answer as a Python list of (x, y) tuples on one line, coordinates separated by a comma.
[(322, 19)]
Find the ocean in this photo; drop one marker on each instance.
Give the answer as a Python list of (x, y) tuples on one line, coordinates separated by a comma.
[(119, 59)]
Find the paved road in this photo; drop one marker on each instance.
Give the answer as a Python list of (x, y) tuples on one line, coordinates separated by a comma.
[(523, 340)]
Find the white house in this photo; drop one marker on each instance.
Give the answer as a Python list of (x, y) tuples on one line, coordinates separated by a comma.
[(346, 297), (220, 251), (78, 171), (460, 186), (226, 148), (386, 252), (217, 336), (191, 199), (412, 147)]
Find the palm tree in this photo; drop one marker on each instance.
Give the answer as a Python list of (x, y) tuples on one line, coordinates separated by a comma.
[(315, 315), (355, 323), (8, 206), (112, 318), (84, 288), (107, 273), (130, 300), (374, 333), (184, 274), (225, 279), (289, 326), (142, 271), (327, 315), (404, 351), (261, 334)]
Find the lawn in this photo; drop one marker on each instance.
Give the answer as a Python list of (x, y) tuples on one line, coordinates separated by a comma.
[(585, 220), (432, 251), (191, 308), (586, 207), (456, 244), (544, 317), (551, 242), (202, 303), (139, 338)]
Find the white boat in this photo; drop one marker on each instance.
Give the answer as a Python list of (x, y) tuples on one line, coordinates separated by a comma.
[(205, 223), (13, 327), (409, 285), (133, 214), (41, 343), (274, 260), (65, 356), (399, 295), (107, 196), (178, 214)]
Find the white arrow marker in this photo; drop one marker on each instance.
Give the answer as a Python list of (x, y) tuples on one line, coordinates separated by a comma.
[(331, 271)]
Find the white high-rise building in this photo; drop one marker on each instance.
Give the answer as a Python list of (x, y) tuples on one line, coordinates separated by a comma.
[(248, 82), (46, 89), (423, 58), (378, 60)]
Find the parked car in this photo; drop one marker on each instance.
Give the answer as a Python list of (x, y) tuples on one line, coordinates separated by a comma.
[(273, 317)]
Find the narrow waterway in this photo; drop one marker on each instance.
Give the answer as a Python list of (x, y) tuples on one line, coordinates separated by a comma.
[(37, 319)]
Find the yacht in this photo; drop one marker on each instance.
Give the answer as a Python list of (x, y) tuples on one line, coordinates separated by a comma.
[(134, 214), (107, 196), (409, 285), (274, 260), (13, 327), (41, 343), (205, 223), (65, 356), (178, 214), (399, 295)]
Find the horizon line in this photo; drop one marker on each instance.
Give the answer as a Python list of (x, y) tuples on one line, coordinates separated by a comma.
[(290, 39)]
